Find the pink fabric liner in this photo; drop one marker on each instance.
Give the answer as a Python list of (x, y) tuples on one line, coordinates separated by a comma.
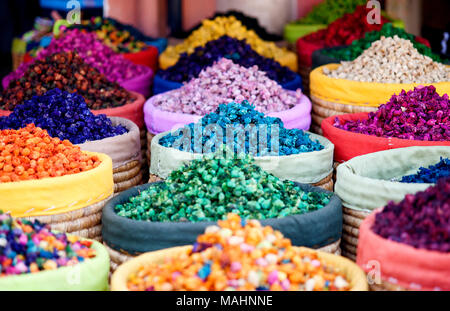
[(158, 121), (411, 267)]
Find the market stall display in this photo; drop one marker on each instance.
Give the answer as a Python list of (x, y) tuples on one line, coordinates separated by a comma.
[(418, 117), (33, 257), (242, 241), (357, 47), (123, 39), (342, 31), (249, 22), (53, 181), (132, 77), (221, 83), (230, 26), (389, 66), (319, 17), (192, 198), (410, 241), (189, 66), (370, 181), (278, 153)]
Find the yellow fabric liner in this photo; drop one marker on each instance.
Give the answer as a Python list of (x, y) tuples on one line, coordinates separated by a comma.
[(369, 94), (56, 195), (353, 273)]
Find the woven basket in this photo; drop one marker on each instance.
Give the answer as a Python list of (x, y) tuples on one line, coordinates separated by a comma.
[(326, 183), (386, 286), (17, 59), (350, 231), (149, 147), (154, 178), (322, 109), (304, 73), (144, 152), (333, 248), (352, 272), (84, 222), (127, 176), (117, 257)]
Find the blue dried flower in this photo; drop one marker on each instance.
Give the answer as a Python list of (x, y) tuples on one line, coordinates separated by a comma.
[(430, 174), (243, 119), (64, 115)]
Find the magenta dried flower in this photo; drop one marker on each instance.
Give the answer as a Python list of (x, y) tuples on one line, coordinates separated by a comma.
[(419, 114), (421, 220)]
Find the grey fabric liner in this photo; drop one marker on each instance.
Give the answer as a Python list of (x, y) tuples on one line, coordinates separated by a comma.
[(314, 229)]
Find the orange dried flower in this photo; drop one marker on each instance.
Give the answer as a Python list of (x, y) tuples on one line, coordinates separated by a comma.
[(30, 153)]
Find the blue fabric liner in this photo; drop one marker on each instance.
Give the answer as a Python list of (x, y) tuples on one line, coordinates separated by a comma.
[(314, 229)]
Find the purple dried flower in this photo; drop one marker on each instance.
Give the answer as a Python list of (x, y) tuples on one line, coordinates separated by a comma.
[(419, 114), (421, 220)]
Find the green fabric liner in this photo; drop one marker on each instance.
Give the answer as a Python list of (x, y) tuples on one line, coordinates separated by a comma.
[(364, 182), (90, 275), (314, 229), (293, 31)]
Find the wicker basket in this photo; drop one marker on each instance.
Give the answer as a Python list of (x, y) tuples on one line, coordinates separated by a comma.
[(322, 109), (127, 176), (84, 222), (149, 147), (352, 272), (350, 231), (304, 73), (386, 286), (117, 257)]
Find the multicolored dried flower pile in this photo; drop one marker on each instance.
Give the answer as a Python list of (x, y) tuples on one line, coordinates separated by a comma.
[(237, 116), (30, 153), (207, 189), (189, 65), (64, 115), (240, 255), (419, 114), (225, 82), (421, 220), (66, 71), (30, 247)]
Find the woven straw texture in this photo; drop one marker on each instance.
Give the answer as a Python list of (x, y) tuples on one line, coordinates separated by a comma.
[(127, 176), (84, 222), (322, 109), (149, 147), (154, 178), (352, 272), (350, 231), (326, 183), (333, 248), (386, 286), (117, 257), (144, 150)]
